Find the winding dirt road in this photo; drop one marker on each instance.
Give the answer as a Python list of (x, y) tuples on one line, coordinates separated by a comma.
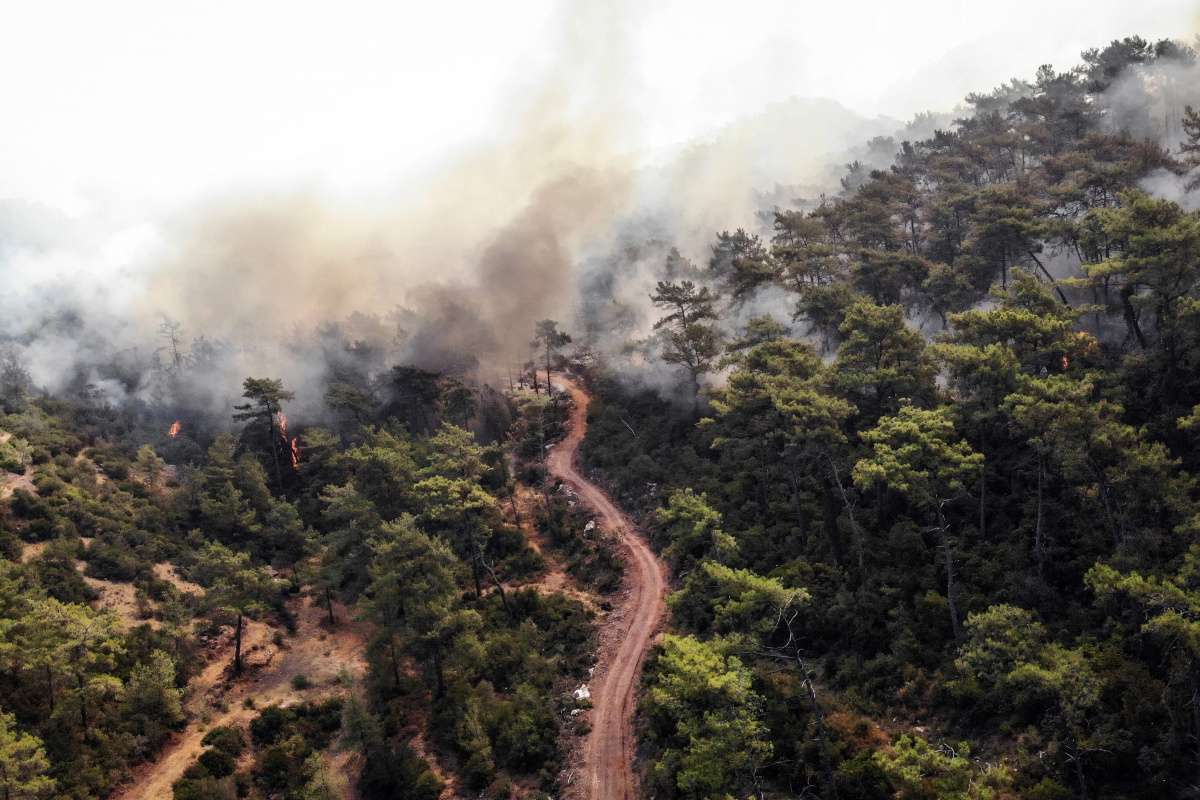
[(610, 748)]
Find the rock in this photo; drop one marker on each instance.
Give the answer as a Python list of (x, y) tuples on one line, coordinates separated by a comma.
[(583, 693)]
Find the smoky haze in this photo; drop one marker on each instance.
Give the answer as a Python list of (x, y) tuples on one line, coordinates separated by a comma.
[(557, 214)]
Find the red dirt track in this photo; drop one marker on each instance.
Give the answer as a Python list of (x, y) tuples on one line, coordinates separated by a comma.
[(609, 751)]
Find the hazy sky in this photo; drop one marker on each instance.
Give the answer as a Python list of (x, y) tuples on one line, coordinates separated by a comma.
[(121, 104)]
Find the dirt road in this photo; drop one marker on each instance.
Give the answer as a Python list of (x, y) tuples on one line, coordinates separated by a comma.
[(609, 752)]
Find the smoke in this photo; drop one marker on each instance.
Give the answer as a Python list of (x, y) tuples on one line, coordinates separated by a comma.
[(453, 267), (482, 246), (557, 214), (1147, 101)]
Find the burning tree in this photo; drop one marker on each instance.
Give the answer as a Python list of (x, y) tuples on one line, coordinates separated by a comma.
[(266, 397)]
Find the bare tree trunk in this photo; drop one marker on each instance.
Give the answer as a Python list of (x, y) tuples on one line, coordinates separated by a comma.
[(475, 576), (395, 660), (237, 644), (275, 454), (499, 586), (983, 500), (1083, 792), (830, 521), (854, 529), (951, 586), (822, 731), (1196, 722), (1039, 548), (1131, 320), (83, 717), (1058, 290)]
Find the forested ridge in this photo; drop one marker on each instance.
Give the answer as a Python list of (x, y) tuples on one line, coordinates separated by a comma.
[(143, 599), (921, 455), (939, 537)]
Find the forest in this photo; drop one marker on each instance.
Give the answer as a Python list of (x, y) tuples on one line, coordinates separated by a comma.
[(925, 483)]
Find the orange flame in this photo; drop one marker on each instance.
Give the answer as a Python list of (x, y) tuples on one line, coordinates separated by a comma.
[(283, 424), (1066, 362), (295, 452), (173, 431)]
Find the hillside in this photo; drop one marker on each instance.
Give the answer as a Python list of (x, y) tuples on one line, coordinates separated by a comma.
[(894, 493)]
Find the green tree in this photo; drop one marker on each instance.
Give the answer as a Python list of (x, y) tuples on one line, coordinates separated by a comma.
[(351, 522), (1190, 147), (354, 404), (707, 719), (76, 648), (265, 398), (384, 469), (918, 454), (413, 586), (465, 514), (692, 530), (997, 640), (742, 263), (920, 771), (149, 465), (234, 587), (1154, 254), (881, 361), (322, 783), (23, 764), (692, 340), (15, 381), (716, 598), (1169, 609), (454, 453), (151, 692)]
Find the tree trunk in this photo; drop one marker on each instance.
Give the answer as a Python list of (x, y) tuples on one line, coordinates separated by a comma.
[(854, 529), (1039, 548), (983, 500), (439, 679), (1083, 793), (237, 644), (1131, 320), (395, 660), (830, 521), (822, 731), (801, 520), (1050, 278), (275, 453), (951, 586), (83, 717), (475, 576), (1196, 721), (329, 605), (499, 586)]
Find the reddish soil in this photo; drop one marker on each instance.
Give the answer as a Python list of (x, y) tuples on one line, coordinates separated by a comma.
[(215, 698), (630, 630)]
